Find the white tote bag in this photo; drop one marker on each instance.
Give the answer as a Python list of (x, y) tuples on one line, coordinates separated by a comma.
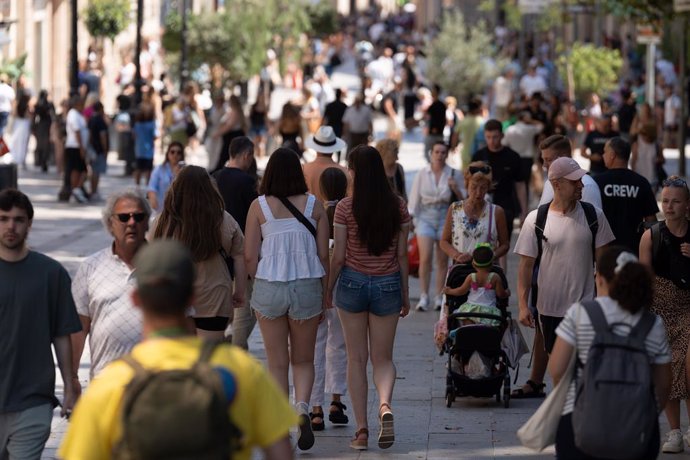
[(539, 432)]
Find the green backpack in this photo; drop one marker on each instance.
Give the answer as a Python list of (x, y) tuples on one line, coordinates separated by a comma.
[(178, 414)]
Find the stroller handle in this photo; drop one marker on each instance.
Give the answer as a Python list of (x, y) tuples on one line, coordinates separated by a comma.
[(478, 315)]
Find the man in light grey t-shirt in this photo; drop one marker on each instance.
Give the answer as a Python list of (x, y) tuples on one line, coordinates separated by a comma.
[(101, 288)]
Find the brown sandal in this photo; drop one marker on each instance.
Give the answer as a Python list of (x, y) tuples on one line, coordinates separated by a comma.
[(386, 432), (360, 444)]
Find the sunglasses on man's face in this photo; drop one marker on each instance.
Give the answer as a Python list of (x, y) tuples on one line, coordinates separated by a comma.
[(481, 169), (125, 216)]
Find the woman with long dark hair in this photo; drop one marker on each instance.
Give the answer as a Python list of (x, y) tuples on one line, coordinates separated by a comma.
[(44, 115), (370, 266), (288, 228), (194, 214), (670, 261), (624, 293)]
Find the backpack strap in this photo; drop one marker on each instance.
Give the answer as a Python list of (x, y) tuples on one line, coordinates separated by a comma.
[(539, 225), (644, 325), (593, 223), (656, 238), (134, 364), (596, 317)]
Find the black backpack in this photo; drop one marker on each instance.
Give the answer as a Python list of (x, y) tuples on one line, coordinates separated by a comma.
[(178, 413), (540, 224), (615, 412)]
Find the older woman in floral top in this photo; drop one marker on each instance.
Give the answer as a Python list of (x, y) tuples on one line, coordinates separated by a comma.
[(475, 220)]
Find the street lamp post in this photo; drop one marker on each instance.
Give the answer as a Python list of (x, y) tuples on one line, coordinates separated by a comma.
[(74, 58), (137, 62)]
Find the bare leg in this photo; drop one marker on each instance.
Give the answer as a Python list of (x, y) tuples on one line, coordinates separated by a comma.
[(441, 267), (302, 341), (672, 412), (355, 328), (211, 335), (381, 338), (275, 335), (426, 253)]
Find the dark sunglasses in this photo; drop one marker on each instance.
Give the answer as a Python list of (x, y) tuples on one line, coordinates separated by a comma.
[(677, 182), (175, 151), (125, 216), (482, 169)]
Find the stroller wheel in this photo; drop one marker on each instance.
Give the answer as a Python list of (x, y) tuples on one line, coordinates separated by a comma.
[(450, 396)]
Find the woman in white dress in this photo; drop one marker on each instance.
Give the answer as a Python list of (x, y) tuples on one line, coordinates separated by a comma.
[(21, 130)]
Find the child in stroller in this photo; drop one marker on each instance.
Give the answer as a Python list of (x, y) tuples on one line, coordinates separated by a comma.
[(477, 365), (483, 288)]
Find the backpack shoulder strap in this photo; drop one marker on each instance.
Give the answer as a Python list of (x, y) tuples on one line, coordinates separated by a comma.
[(656, 238), (593, 223), (644, 325), (134, 364), (596, 317), (539, 224), (207, 349)]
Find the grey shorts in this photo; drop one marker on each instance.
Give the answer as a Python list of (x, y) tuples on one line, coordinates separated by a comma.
[(298, 299), (24, 434)]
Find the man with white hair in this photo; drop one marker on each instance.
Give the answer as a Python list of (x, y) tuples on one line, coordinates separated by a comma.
[(101, 288)]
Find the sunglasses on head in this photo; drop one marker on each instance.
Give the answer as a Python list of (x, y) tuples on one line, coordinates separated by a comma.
[(677, 182), (125, 216), (482, 169)]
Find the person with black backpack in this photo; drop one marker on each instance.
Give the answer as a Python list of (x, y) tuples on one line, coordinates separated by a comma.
[(622, 372), (176, 395)]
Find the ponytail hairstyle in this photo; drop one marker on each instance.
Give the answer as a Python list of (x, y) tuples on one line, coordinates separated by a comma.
[(333, 184), (630, 282)]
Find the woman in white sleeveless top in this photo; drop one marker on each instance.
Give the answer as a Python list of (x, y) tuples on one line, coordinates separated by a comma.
[(289, 265), (475, 220)]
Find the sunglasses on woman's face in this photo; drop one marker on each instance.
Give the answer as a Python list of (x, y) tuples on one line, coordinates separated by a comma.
[(480, 169)]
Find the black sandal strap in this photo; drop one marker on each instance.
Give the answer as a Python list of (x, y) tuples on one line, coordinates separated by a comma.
[(339, 405)]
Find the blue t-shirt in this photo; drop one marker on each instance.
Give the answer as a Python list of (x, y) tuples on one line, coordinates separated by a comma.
[(160, 181), (145, 133)]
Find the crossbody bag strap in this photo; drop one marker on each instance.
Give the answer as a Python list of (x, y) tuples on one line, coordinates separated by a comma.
[(491, 222), (298, 215)]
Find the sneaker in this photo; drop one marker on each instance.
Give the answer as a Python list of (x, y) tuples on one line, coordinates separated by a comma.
[(423, 303), (79, 195), (674, 442), (686, 437), (438, 302)]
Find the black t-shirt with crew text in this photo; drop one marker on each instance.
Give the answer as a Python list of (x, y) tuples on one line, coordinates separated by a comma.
[(627, 198)]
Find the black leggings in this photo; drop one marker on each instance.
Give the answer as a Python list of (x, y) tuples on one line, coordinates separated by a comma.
[(566, 449)]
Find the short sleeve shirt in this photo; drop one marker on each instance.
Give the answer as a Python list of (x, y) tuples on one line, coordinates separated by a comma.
[(36, 307), (357, 255), (101, 291), (576, 329), (568, 238), (260, 409), (505, 169), (595, 142), (627, 199)]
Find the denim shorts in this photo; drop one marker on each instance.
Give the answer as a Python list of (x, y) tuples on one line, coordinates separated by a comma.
[(99, 164), (430, 222), (298, 299), (379, 295)]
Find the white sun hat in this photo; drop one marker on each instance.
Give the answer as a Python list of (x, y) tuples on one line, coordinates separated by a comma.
[(325, 141)]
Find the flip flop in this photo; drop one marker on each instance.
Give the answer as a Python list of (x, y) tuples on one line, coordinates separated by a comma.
[(536, 392)]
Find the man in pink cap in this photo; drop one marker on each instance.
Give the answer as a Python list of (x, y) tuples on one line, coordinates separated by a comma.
[(560, 239)]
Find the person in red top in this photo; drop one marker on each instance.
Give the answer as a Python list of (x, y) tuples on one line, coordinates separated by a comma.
[(370, 266)]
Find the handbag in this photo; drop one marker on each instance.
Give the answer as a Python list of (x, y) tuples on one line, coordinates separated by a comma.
[(513, 343), (540, 430), (413, 256)]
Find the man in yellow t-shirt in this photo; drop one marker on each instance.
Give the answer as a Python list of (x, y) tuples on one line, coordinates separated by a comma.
[(165, 275)]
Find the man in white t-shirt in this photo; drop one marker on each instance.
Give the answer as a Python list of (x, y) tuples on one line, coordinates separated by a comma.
[(558, 146), (532, 82), (503, 94), (75, 148), (7, 97), (358, 123), (566, 270), (101, 288)]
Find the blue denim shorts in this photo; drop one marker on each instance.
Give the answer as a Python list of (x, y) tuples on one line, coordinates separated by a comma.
[(379, 295), (430, 222), (298, 299)]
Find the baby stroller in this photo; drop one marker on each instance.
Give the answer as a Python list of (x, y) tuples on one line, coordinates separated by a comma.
[(471, 338)]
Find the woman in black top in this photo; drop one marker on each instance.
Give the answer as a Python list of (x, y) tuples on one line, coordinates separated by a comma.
[(671, 264), (44, 113)]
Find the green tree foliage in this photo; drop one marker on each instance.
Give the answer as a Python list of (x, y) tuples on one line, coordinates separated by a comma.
[(461, 59), (106, 18), (237, 39), (14, 68), (592, 69), (323, 18)]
